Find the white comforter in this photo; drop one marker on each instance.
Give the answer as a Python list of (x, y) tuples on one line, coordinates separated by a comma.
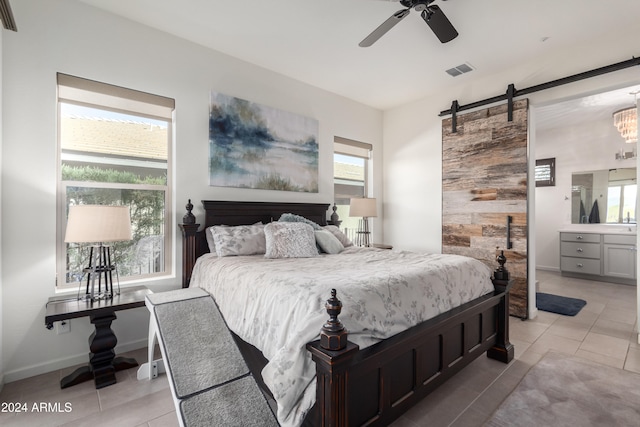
[(278, 304)]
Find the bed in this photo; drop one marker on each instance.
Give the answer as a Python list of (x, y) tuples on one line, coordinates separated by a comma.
[(396, 350)]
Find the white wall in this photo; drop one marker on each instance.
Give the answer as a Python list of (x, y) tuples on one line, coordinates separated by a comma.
[(1, 306), (65, 36), (412, 149), (588, 147)]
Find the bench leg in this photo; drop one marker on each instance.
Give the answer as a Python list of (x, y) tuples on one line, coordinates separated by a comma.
[(152, 368)]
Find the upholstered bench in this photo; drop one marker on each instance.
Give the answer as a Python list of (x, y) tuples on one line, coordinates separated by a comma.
[(209, 379)]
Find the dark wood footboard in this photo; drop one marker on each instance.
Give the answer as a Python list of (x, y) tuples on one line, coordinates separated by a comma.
[(376, 385)]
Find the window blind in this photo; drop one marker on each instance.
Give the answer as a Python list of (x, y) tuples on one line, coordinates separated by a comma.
[(92, 93), (351, 147)]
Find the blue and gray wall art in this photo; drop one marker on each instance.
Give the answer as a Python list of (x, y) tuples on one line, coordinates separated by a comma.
[(255, 146)]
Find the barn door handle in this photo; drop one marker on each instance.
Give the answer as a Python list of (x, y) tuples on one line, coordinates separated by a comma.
[(509, 220)]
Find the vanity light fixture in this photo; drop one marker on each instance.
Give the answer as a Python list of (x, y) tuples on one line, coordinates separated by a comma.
[(624, 155)]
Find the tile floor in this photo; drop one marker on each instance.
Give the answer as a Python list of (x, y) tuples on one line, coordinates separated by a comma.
[(602, 332)]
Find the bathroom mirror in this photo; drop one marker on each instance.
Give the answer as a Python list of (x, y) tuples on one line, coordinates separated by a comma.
[(604, 196)]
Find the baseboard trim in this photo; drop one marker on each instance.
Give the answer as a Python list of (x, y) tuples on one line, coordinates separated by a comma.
[(65, 362), (608, 279), (548, 268)]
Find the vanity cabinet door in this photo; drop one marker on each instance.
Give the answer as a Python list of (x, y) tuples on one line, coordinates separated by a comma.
[(620, 261)]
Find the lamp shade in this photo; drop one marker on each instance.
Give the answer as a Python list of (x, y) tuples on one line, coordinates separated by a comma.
[(363, 207), (97, 223)]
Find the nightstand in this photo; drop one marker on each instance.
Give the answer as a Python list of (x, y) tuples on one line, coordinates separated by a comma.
[(102, 361), (381, 246)]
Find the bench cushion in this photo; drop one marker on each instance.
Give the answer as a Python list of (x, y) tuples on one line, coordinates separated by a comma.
[(198, 346), (238, 403), (211, 382)]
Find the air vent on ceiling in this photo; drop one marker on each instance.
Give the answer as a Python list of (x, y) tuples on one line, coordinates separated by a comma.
[(6, 16), (460, 69)]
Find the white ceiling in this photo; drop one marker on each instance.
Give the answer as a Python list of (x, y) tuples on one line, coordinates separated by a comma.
[(588, 109), (316, 41)]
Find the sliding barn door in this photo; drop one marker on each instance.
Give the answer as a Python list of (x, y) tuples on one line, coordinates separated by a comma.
[(484, 186)]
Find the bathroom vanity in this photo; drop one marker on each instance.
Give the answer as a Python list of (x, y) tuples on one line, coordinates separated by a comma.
[(606, 253)]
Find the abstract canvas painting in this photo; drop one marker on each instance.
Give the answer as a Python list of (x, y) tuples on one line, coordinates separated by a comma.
[(255, 146)]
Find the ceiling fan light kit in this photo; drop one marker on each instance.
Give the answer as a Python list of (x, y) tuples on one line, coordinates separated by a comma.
[(430, 13)]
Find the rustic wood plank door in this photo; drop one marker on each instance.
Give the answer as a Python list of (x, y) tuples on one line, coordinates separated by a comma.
[(484, 181)]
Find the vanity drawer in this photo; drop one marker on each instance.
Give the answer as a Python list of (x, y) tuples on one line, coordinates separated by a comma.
[(580, 265), (620, 239), (580, 250), (580, 237)]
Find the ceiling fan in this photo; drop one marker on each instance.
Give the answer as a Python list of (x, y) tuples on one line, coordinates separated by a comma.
[(431, 13)]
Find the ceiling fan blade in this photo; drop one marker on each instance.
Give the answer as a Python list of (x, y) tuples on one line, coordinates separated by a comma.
[(384, 27), (439, 23)]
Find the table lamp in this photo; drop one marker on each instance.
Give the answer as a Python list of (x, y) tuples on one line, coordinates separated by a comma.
[(98, 224), (365, 208)]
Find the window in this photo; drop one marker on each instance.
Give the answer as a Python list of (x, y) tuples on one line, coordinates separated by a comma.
[(621, 203), (546, 172), (114, 149), (350, 172)]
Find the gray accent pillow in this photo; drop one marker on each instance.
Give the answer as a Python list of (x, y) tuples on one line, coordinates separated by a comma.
[(210, 242), (328, 242), (290, 240), (289, 217), (239, 240), (339, 235)]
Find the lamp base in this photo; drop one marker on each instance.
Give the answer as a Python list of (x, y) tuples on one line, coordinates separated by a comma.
[(363, 233), (100, 269)]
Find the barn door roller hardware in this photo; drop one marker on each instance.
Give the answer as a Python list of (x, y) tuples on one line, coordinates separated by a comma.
[(512, 92)]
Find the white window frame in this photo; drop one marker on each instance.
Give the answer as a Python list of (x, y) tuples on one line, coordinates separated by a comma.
[(352, 148), (90, 93)]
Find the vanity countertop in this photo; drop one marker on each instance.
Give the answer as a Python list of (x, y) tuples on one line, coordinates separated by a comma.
[(629, 229)]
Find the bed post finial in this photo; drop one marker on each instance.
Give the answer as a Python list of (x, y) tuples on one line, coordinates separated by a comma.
[(335, 218), (501, 273), (189, 218), (333, 335)]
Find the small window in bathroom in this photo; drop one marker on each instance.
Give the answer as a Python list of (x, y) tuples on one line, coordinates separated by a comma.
[(546, 172)]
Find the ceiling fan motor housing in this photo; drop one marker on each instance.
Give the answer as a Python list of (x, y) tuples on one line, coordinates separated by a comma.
[(418, 5)]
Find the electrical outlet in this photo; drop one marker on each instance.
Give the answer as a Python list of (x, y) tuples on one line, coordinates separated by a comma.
[(63, 327)]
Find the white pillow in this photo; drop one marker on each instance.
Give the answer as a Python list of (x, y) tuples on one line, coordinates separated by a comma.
[(239, 240), (328, 242), (290, 240), (339, 235)]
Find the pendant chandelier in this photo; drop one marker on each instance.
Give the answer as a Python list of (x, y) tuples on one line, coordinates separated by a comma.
[(626, 121)]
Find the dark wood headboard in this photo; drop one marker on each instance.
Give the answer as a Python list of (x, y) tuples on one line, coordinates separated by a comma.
[(194, 242)]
